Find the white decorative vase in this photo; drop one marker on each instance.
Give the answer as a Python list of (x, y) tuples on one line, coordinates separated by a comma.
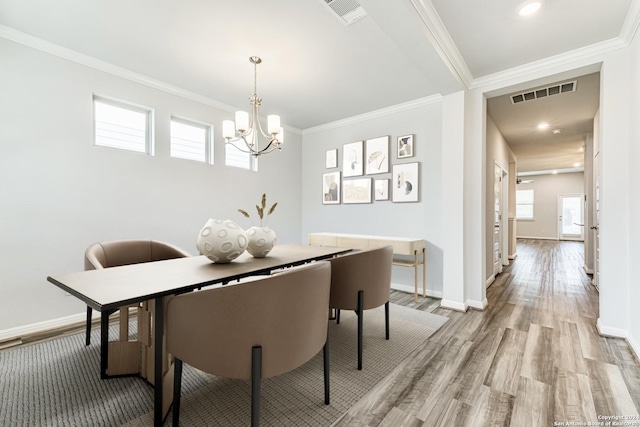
[(222, 241), (261, 241)]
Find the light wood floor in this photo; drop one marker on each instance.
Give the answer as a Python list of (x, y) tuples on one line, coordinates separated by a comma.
[(532, 358)]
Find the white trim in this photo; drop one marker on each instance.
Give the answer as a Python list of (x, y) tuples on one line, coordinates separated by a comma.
[(587, 270), (410, 289), (442, 42), (479, 305), (537, 238), (20, 331), (608, 331), (490, 280), (635, 345), (453, 305), (410, 105), (89, 61), (544, 65), (513, 255), (631, 22)]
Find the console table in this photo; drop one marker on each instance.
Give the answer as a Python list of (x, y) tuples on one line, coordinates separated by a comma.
[(401, 246)]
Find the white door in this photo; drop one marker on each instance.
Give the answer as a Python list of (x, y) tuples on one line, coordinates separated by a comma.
[(571, 217), (497, 220)]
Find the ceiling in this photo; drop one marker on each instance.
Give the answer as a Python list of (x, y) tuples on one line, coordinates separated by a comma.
[(316, 69)]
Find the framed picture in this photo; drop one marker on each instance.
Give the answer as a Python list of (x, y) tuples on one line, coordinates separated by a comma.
[(381, 189), (406, 185), (331, 188), (331, 159), (405, 146), (352, 159), (377, 155), (356, 190)]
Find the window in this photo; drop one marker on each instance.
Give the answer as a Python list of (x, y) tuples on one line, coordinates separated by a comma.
[(239, 159), (524, 204), (121, 125), (191, 140)]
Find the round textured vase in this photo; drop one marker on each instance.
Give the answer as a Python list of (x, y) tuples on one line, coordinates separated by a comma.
[(261, 241), (222, 241)]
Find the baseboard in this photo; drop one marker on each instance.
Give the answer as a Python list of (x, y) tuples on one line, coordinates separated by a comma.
[(635, 346), (513, 256), (478, 305), (589, 271), (537, 238), (410, 289), (608, 331), (17, 334), (490, 280), (619, 333), (453, 305)]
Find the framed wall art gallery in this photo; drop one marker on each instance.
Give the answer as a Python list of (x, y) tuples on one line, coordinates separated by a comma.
[(405, 182), (356, 190), (352, 159), (405, 146), (331, 188)]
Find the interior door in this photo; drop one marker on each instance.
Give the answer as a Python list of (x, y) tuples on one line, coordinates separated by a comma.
[(497, 220), (571, 217)]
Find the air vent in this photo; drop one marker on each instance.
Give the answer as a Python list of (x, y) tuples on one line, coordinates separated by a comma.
[(544, 92), (347, 11)]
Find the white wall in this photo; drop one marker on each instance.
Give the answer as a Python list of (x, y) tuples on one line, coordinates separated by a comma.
[(59, 193), (546, 189), (421, 220), (498, 153), (634, 202)]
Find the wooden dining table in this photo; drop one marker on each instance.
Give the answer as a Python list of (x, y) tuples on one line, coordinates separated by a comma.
[(116, 287)]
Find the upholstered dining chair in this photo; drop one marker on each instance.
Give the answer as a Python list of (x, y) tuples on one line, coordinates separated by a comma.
[(116, 253), (361, 281), (251, 330)]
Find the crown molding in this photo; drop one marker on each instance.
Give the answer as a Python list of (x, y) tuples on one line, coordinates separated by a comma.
[(410, 105), (441, 40), (631, 22), (100, 65), (563, 60)]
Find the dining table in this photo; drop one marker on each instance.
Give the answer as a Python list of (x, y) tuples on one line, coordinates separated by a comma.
[(116, 287)]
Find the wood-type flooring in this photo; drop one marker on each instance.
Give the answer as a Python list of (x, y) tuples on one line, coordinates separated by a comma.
[(533, 357)]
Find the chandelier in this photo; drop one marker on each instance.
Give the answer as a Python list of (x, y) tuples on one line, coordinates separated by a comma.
[(246, 129)]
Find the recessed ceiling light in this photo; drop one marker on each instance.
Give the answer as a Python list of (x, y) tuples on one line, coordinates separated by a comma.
[(576, 165), (556, 131), (542, 126), (581, 149), (529, 8)]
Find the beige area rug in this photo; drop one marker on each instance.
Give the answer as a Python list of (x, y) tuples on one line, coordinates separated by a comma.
[(297, 398)]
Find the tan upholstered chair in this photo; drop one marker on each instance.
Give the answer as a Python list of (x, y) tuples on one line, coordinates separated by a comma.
[(361, 281), (251, 330), (115, 253)]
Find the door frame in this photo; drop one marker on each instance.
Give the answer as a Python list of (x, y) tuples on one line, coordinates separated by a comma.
[(560, 236)]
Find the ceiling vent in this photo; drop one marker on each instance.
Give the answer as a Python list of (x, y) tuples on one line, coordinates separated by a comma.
[(347, 11), (544, 92)]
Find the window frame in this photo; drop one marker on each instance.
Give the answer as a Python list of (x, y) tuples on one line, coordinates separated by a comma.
[(208, 143), (531, 203), (252, 164), (124, 105)]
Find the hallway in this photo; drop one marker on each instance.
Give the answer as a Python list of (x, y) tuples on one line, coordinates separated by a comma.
[(532, 358)]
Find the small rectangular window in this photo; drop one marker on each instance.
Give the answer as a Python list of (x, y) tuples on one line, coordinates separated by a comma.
[(524, 204), (191, 140), (239, 159), (121, 125)]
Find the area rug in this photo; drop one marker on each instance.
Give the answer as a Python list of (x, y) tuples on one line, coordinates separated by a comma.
[(56, 383)]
